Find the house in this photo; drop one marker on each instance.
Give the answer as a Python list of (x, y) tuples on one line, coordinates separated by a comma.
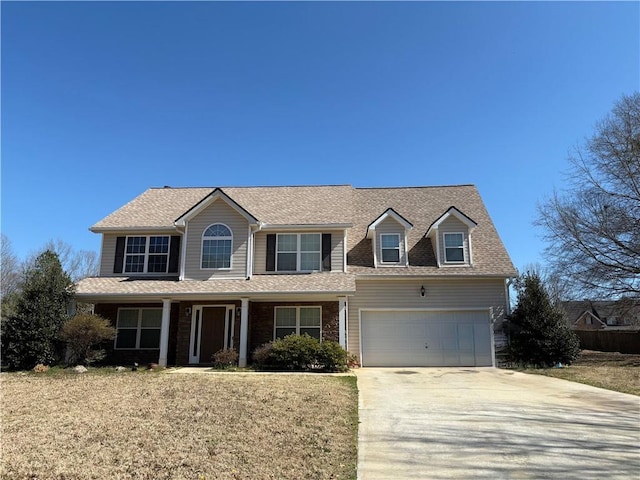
[(597, 315), (399, 276)]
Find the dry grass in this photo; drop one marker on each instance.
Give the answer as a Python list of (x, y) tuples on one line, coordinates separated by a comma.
[(613, 371), (166, 426)]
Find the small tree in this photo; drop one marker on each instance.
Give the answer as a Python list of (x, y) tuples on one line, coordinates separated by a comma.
[(539, 335), (82, 333), (29, 335)]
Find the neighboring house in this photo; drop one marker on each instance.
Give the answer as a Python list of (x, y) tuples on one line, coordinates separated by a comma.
[(399, 276), (597, 315)]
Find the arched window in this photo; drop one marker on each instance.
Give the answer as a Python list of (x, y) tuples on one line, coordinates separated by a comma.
[(217, 241)]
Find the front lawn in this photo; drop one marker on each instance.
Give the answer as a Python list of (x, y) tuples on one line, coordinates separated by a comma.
[(613, 371), (146, 425)]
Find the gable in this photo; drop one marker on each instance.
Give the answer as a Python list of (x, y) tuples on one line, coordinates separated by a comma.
[(216, 195), (218, 211)]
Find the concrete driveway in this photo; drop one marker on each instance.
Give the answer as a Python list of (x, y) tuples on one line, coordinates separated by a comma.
[(475, 423)]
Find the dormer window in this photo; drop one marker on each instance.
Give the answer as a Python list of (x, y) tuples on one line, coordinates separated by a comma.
[(454, 247), (388, 233), (390, 248), (451, 236)]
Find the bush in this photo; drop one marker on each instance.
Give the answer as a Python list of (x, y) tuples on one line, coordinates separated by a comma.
[(332, 357), (262, 355), (295, 352), (82, 333), (225, 358), (301, 353), (40, 368)]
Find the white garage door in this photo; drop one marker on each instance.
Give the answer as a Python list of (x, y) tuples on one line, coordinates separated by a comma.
[(425, 339)]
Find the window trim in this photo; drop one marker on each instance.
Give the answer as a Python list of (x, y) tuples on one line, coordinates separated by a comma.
[(299, 252), (399, 248), (202, 238), (444, 246), (138, 328), (147, 242), (297, 307)]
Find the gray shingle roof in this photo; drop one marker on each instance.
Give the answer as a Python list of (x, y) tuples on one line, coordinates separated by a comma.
[(315, 283), (341, 204)]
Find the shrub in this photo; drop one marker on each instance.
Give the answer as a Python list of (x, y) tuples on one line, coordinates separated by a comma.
[(225, 358), (262, 355), (295, 352), (332, 357), (352, 361), (40, 368), (82, 333), (301, 353)]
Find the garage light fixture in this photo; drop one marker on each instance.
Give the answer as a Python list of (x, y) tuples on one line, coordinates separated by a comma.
[(422, 291)]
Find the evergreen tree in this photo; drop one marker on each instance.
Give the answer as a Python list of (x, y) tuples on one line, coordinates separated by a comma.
[(539, 335), (29, 335)]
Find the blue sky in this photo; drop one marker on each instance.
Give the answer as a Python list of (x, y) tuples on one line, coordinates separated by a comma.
[(102, 100)]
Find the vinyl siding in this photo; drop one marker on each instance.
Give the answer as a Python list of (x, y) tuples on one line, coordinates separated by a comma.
[(260, 251), (109, 251), (453, 225), (405, 294), (218, 212), (387, 226)]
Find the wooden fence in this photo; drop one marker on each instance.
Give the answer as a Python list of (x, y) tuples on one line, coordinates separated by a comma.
[(623, 341)]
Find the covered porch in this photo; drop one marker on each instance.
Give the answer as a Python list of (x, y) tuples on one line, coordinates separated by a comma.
[(185, 322)]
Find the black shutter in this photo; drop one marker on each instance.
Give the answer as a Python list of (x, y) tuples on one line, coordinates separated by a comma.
[(271, 253), (119, 260), (326, 252), (174, 254)]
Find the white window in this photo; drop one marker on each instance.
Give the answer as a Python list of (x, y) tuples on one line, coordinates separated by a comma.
[(390, 248), (217, 241), (454, 247), (138, 328), (298, 321), (147, 254), (298, 252)]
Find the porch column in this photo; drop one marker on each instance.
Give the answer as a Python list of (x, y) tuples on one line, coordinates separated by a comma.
[(342, 321), (244, 330), (164, 332)]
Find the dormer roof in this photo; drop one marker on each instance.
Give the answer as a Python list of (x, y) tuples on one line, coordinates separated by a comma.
[(451, 212), (388, 213)]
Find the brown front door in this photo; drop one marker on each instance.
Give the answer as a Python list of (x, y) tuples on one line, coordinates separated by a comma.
[(212, 337)]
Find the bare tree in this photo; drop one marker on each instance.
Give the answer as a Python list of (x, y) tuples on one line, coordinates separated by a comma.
[(10, 269), (78, 264), (593, 227)]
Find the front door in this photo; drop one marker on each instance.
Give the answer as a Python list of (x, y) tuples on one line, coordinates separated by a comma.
[(211, 330), (212, 338)]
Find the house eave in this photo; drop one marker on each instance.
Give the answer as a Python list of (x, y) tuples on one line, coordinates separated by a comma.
[(306, 227), (136, 229), (201, 296), (419, 276)]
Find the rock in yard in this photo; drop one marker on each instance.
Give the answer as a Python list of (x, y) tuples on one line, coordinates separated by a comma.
[(80, 369), (121, 369)]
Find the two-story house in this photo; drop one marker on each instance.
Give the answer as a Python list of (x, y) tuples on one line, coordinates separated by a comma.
[(399, 276)]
